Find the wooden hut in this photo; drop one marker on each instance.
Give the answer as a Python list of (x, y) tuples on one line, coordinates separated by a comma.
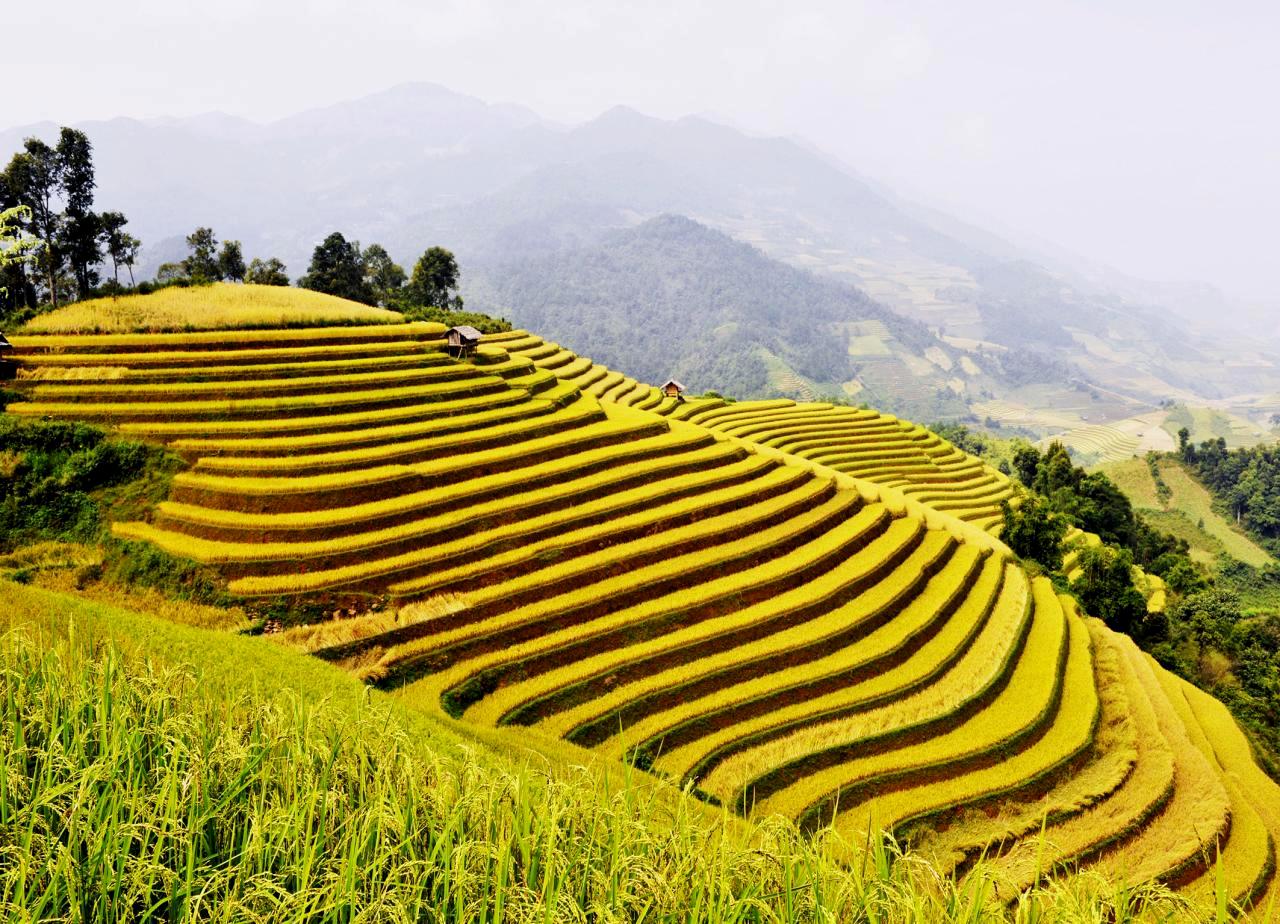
[(8, 369), (672, 389), (462, 340)]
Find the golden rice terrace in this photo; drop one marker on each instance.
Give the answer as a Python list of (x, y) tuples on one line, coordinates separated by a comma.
[(794, 608)]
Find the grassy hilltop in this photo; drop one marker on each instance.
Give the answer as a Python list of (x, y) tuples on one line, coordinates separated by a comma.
[(799, 614)]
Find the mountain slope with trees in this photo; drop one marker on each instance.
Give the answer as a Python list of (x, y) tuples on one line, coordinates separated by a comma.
[(673, 298)]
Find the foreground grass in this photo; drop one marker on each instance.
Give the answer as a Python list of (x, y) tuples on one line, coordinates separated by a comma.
[(153, 771), (212, 307)]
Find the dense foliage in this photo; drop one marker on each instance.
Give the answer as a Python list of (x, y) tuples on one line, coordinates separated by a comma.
[(48, 471), (1246, 481), (672, 298), (53, 185), (1204, 635), (1092, 502)]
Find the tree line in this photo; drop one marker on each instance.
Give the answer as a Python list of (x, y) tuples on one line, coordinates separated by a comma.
[(1246, 481), (54, 247), (48, 192)]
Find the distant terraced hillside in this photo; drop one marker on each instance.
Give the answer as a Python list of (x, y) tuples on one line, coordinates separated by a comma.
[(794, 608)]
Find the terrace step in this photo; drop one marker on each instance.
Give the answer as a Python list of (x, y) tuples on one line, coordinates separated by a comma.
[(277, 338), (837, 609), (317, 492)]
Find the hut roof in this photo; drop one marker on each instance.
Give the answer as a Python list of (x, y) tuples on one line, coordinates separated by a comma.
[(467, 332), (673, 382), (5, 344)]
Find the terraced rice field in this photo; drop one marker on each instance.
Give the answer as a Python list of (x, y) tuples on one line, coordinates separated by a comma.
[(795, 609), (1097, 443), (868, 445)]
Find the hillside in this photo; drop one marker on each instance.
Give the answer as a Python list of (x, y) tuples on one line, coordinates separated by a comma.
[(1186, 511), (679, 299), (792, 609)]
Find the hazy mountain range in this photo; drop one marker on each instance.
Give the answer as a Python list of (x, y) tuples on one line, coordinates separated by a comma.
[(538, 214)]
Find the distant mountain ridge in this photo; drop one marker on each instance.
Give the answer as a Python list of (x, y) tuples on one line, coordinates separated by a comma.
[(419, 164)]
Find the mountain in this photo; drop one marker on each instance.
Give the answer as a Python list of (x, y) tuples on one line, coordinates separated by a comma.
[(418, 165), (673, 298)]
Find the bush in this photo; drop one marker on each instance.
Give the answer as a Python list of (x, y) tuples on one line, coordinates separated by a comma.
[(52, 470), (1034, 531)]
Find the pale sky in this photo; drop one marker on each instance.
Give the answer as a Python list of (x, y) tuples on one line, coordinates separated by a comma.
[(1141, 133)]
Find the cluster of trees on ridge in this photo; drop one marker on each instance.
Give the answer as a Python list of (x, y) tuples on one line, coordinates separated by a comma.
[(46, 194), (1246, 481), (1204, 634), (53, 247)]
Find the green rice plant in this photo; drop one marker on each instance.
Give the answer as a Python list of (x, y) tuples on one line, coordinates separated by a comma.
[(1070, 734), (843, 640), (930, 660)]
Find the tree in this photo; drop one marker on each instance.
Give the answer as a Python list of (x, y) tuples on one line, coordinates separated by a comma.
[(17, 247), (121, 246), (1033, 531), (1185, 446), (1026, 462), (32, 179), (202, 265), (1105, 588), (385, 277), (435, 280), (270, 272), (337, 269), (81, 227), (171, 272), (231, 261)]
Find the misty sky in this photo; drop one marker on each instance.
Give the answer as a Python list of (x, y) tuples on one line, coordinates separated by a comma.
[(1142, 133)]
